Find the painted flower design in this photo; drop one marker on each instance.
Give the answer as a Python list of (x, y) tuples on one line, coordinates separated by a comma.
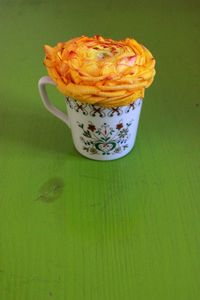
[(99, 70), (119, 126), (104, 140), (91, 127), (123, 133)]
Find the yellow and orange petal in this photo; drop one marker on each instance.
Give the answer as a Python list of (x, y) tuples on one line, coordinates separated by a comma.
[(100, 70)]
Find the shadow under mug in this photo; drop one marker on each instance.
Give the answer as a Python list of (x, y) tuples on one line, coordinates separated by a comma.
[(98, 133)]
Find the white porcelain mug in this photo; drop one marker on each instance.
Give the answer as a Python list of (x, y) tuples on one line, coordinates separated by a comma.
[(98, 133)]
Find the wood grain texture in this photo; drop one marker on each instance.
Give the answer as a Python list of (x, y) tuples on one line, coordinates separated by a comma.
[(76, 229)]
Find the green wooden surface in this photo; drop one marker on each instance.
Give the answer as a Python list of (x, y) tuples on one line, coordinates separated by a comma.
[(75, 229)]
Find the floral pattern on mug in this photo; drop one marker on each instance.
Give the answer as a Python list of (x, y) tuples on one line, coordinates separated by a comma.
[(105, 140), (99, 111)]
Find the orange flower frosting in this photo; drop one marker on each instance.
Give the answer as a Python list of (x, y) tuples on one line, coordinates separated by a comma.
[(99, 70)]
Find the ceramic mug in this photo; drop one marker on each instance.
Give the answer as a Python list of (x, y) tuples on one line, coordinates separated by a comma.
[(98, 133)]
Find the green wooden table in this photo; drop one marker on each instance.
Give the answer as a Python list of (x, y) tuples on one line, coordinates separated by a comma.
[(76, 229)]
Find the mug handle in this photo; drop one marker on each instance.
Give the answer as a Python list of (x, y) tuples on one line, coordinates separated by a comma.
[(50, 107)]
